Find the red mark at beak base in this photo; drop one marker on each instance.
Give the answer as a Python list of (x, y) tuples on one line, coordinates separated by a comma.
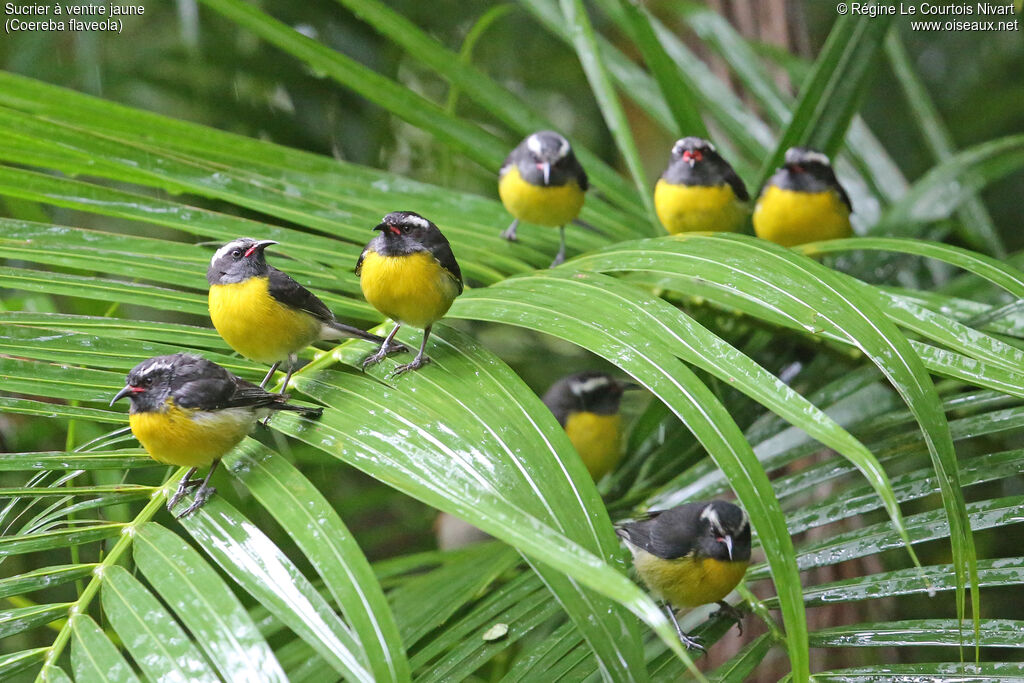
[(124, 392), (258, 246)]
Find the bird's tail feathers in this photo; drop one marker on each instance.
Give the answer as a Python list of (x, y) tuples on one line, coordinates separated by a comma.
[(306, 411), (336, 330)]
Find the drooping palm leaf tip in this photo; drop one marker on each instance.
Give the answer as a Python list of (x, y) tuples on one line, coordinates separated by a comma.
[(823, 394)]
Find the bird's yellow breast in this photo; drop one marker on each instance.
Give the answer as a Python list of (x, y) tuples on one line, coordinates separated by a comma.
[(413, 289), (544, 205), (190, 437), (693, 208), (256, 324), (597, 438), (789, 218), (688, 581)]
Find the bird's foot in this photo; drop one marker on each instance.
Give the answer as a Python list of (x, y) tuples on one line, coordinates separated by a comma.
[(202, 495), (559, 260), (383, 352), (184, 486), (727, 611), (510, 232), (417, 363), (692, 643)]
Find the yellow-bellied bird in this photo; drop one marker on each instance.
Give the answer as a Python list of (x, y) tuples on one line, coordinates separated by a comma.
[(542, 182), (409, 274), (586, 404), (699, 191), (803, 202), (262, 313), (691, 555), (188, 411)]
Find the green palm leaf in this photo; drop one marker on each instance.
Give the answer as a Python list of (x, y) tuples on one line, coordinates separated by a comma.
[(272, 580)]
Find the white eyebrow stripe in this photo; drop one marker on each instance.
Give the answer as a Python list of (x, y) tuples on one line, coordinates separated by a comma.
[(563, 148), (417, 221), (227, 248), (533, 144), (156, 365), (798, 155), (816, 156), (589, 385), (711, 515)]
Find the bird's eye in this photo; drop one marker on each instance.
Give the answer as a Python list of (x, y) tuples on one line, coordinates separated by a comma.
[(147, 381), (237, 253)]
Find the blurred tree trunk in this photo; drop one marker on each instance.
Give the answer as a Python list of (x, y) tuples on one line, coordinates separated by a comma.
[(776, 22)]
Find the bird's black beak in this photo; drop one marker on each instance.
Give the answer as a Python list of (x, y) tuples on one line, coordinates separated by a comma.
[(629, 386), (545, 168), (258, 247), (728, 545), (388, 230), (121, 394)]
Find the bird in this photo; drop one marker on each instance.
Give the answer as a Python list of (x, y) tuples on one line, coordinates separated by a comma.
[(699, 190), (409, 273), (691, 555), (264, 314), (803, 201), (189, 411), (542, 182), (586, 404)]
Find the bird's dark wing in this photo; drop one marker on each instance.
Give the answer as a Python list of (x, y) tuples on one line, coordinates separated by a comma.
[(828, 175), (649, 536), (580, 174), (437, 244), (557, 407), (668, 534), (359, 263), (199, 383), (736, 183), (290, 293), (510, 161), (247, 394), (842, 194), (211, 393)]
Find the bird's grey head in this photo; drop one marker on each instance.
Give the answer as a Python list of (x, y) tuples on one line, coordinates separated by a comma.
[(692, 150), (805, 157), (547, 146), (805, 170), (238, 260), (725, 532), (405, 226), (540, 152), (591, 391), (149, 384)]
